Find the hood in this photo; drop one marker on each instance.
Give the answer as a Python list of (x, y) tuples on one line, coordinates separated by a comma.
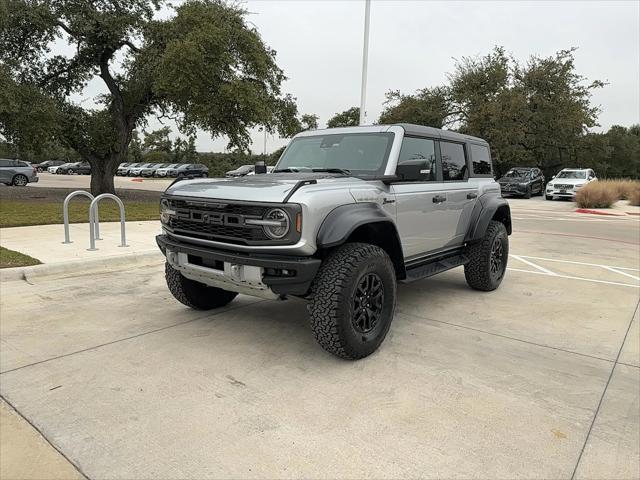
[(273, 187), (521, 179)]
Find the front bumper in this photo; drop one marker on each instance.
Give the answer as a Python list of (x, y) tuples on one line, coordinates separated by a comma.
[(561, 192), (221, 268), (513, 189)]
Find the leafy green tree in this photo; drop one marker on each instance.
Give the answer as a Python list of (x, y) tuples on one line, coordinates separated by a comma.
[(204, 66), (135, 148), (158, 140), (184, 151), (429, 107), (309, 121), (348, 118)]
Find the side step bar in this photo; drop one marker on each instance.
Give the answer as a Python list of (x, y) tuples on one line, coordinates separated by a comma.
[(433, 267)]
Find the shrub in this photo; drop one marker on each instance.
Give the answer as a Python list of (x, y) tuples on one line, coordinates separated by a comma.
[(601, 194), (634, 197)]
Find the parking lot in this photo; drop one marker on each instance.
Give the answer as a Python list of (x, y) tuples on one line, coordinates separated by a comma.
[(539, 379)]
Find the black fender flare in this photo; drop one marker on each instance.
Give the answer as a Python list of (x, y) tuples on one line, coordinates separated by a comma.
[(483, 212), (342, 221), (370, 223)]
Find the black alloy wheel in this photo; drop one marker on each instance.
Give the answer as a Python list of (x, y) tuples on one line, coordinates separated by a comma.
[(368, 301)]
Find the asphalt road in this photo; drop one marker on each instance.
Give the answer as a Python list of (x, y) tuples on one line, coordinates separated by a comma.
[(539, 379)]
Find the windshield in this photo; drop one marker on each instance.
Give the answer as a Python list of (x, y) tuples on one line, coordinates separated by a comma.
[(572, 174), (516, 172), (360, 153)]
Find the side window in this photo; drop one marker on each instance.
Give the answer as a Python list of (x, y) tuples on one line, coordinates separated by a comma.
[(454, 164), (481, 160), (18, 163), (6, 163), (417, 160)]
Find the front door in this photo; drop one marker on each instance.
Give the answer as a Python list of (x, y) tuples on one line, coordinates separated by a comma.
[(419, 204)]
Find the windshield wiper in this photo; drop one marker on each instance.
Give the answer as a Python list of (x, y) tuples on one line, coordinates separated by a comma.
[(343, 171), (286, 170)]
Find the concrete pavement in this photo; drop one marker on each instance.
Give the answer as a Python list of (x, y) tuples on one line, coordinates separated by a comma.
[(25, 454), (539, 379)]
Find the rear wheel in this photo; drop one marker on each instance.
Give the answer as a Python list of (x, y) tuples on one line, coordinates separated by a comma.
[(353, 299), (71, 171), (195, 294), (488, 259), (20, 181)]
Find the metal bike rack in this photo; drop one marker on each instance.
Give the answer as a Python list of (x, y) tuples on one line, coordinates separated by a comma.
[(94, 224), (65, 214)]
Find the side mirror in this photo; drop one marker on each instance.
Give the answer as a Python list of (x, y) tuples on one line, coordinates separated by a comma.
[(552, 177), (260, 167)]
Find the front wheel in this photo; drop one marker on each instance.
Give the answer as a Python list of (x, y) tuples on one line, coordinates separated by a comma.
[(528, 192), (195, 294), (70, 172), (548, 197), (353, 299), (488, 259)]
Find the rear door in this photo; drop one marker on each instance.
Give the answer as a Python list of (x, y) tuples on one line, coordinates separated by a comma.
[(459, 191)]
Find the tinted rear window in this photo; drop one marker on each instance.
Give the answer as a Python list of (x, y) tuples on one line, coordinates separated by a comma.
[(481, 160), (454, 164)]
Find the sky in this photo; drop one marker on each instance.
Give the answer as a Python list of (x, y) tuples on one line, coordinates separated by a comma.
[(414, 44)]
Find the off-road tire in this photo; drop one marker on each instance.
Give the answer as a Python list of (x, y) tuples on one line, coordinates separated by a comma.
[(478, 270), (195, 294), (331, 306)]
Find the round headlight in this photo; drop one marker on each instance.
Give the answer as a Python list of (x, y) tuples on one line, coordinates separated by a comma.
[(278, 225)]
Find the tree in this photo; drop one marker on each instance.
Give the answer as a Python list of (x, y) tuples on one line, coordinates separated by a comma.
[(429, 107), (135, 148), (184, 151), (348, 118), (309, 121), (158, 140), (205, 67)]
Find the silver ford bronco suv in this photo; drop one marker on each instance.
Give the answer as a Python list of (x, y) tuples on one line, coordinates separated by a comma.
[(346, 214)]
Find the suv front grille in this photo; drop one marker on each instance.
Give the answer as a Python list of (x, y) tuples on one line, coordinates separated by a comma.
[(564, 187), (217, 221)]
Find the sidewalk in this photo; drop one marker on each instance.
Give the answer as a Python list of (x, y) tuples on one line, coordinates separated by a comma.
[(44, 242)]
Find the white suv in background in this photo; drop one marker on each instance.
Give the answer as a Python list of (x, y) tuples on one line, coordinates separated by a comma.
[(568, 182)]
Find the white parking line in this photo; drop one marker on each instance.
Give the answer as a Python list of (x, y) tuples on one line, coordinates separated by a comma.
[(621, 273), (542, 269), (579, 263), (574, 278)]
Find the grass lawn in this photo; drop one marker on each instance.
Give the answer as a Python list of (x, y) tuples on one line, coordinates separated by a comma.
[(43, 206), (9, 258), (14, 213)]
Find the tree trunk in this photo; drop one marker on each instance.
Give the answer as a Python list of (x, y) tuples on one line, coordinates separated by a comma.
[(102, 174)]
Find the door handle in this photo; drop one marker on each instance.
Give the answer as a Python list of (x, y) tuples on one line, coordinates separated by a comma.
[(439, 199), (472, 195)]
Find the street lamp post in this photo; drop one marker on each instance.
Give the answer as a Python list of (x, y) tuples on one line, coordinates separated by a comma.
[(365, 58)]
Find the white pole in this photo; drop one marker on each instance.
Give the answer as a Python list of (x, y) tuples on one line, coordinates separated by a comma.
[(265, 141), (365, 58)]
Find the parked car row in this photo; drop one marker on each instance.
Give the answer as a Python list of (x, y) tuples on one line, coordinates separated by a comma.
[(162, 170), (529, 181)]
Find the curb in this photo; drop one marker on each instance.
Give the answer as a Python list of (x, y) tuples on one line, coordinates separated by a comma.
[(597, 212), (80, 267)]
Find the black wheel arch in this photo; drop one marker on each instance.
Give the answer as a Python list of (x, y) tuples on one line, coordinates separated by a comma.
[(366, 223), (487, 208)]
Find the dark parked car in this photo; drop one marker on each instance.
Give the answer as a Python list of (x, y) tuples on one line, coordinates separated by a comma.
[(189, 170), (42, 167), (17, 172), (522, 181), (81, 168), (240, 171)]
